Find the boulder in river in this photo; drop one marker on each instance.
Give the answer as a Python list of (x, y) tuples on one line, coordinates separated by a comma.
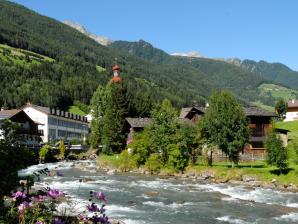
[(152, 193)]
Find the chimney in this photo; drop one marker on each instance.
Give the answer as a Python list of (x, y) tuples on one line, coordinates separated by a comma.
[(293, 101)]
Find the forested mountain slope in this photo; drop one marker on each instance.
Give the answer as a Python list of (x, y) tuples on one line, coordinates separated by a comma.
[(79, 64)]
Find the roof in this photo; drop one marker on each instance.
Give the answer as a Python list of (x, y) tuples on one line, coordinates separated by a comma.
[(8, 113), (52, 111), (116, 67), (138, 122), (184, 111), (292, 103), (258, 112), (45, 110)]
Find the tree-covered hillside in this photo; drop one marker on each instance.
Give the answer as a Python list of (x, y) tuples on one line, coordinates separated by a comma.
[(226, 75), (79, 64), (277, 72)]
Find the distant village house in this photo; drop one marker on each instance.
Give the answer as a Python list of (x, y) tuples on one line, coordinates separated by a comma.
[(28, 129), (292, 113)]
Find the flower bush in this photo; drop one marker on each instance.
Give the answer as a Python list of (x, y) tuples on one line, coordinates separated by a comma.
[(42, 207)]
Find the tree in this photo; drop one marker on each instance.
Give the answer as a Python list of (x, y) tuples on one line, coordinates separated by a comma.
[(225, 125), (281, 108), (12, 157), (277, 154), (109, 109), (163, 128), (62, 149), (97, 110), (115, 107)]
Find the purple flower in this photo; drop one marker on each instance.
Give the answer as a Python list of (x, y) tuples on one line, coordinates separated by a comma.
[(100, 196), (57, 221), (92, 208), (38, 198), (18, 195), (22, 207), (39, 222), (100, 219), (55, 193), (59, 173)]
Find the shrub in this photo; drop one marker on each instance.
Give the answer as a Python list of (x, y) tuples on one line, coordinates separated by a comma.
[(276, 153), (46, 154), (141, 147), (154, 163), (62, 149), (177, 158), (126, 161), (75, 141)]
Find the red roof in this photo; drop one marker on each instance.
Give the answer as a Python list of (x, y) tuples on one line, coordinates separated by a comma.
[(116, 67)]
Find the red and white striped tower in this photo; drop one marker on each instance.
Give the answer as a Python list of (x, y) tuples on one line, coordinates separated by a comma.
[(116, 77)]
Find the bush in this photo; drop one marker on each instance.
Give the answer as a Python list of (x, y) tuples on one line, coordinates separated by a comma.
[(62, 149), (154, 163), (277, 154), (126, 161), (141, 147), (177, 158), (46, 154)]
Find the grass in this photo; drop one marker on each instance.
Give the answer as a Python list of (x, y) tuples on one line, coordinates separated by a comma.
[(76, 110), (263, 106), (259, 170), (17, 54), (277, 91), (223, 172), (100, 69), (291, 126)]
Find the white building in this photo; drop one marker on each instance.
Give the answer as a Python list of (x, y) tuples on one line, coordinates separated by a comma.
[(292, 113), (57, 124)]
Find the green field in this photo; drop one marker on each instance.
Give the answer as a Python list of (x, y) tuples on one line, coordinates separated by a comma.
[(263, 106), (20, 56), (76, 110), (291, 126), (277, 91)]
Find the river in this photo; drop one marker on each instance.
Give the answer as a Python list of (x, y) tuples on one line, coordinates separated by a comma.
[(177, 201)]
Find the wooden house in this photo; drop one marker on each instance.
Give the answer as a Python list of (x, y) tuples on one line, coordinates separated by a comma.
[(259, 124), (133, 125), (28, 129), (193, 114)]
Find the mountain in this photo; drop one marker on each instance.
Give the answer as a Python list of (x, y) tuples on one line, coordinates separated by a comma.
[(79, 64), (276, 72), (193, 54), (99, 39), (226, 75)]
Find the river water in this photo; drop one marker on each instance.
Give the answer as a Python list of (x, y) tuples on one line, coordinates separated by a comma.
[(177, 201)]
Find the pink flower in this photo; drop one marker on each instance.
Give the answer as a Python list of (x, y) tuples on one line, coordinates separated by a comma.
[(39, 222), (18, 195), (22, 207)]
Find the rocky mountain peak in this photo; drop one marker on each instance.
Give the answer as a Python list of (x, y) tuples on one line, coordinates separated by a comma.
[(99, 39)]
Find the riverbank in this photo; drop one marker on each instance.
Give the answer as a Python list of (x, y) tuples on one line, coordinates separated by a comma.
[(256, 174)]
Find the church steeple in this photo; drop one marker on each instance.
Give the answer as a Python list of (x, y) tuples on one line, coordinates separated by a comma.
[(116, 77)]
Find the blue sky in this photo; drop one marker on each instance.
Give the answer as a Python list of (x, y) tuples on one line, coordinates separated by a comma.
[(252, 29)]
